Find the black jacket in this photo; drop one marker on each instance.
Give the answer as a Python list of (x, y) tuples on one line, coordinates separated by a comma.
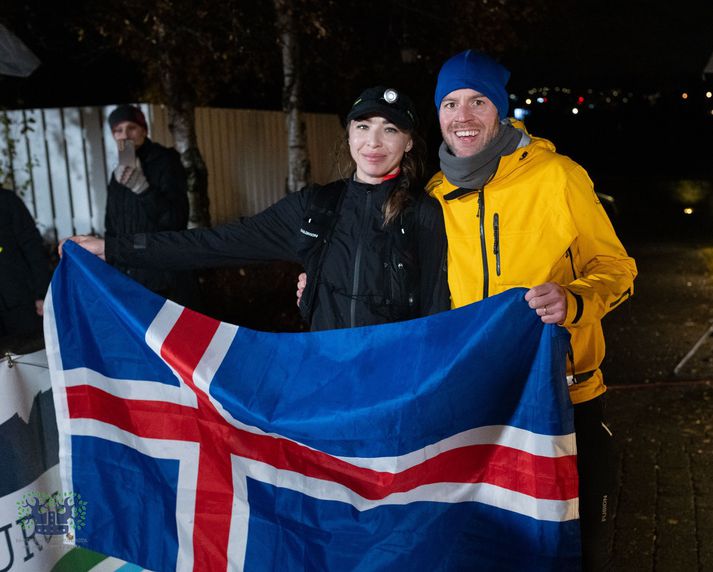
[(163, 206), (353, 289), (24, 264)]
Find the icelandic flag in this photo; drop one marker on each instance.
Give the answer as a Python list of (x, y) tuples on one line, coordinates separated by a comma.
[(443, 443)]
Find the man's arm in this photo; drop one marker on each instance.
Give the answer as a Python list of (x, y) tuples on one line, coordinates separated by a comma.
[(605, 272)]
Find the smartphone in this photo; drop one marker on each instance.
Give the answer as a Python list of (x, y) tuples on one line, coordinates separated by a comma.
[(127, 153)]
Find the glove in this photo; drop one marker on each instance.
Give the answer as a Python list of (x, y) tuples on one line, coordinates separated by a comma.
[(132, 177)]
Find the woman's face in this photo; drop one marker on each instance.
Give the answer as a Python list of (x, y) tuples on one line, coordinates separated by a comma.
[(377, 147)]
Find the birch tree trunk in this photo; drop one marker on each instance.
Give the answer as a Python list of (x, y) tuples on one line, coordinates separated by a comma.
[(298, 167), (182, 125)]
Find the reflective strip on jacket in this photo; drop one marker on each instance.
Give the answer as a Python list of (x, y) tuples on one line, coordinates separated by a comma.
[(539, 220)]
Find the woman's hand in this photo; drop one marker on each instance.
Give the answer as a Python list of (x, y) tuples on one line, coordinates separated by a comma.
[(91, 243)]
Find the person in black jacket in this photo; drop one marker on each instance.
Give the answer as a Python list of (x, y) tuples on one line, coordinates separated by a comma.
[(147, 193), (373, 243), (24, 269)]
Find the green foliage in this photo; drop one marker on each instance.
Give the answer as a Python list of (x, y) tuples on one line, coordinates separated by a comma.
[(8, 155)]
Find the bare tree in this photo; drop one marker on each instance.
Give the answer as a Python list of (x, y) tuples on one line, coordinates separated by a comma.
[(298, 167)]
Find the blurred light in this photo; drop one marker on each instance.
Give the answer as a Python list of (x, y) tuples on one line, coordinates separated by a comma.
[(625, 100), (540, 100), (575, 111), (528, 101), (513, 96), (608, 100), (684, 95), (709, 94), (688, 210), (520, 113), (591, 106), (580, 100), (615, 93)]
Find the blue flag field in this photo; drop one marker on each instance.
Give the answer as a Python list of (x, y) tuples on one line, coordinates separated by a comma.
[(443, 443)]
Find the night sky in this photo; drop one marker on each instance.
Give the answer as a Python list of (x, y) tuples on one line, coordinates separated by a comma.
[(644, 45), (638, 43)]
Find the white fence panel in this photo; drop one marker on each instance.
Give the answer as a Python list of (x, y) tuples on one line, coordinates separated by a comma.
[(77, 171), (57, 163), (22, 175), (93, 135), (41, 189)]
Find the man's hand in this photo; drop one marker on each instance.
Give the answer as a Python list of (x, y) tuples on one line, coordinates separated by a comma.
[(132, 177), (301, 283), (549, 301), (40, 307), (91, 243)]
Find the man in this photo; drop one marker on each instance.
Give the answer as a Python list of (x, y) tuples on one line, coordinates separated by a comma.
[(148, 194), (518, 214), (24, 272)]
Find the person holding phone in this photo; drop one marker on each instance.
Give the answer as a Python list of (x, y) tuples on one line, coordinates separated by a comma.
[(147, 193)]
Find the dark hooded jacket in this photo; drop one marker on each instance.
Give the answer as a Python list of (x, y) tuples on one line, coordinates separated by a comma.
[(362, 278), (163, 206), (24, 266)]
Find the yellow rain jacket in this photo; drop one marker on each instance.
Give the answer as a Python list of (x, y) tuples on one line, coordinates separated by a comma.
[(539, 220)]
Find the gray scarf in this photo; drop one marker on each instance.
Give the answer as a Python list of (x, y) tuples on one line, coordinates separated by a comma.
[(474, 171)]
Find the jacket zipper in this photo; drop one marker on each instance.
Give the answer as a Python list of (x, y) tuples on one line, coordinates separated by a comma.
[(571, 261), (483, 251), (357, 261), (496, 242)]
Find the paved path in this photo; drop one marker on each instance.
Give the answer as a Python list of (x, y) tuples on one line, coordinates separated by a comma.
[(663, 424), (665, 501)]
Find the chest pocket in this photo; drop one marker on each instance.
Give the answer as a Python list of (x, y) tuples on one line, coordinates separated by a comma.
[(524, 255)]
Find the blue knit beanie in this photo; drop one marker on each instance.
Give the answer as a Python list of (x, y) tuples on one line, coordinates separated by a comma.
[(476, 71)]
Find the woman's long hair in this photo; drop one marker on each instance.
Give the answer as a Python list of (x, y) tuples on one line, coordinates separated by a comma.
[(411, 177)]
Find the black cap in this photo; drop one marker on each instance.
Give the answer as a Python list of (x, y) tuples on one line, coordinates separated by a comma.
[(385, 102), (127, 113)]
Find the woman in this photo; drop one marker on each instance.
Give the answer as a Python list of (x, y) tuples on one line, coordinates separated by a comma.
[(373, 244)]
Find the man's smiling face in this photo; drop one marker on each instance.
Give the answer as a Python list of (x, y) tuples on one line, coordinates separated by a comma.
[(469, 121)]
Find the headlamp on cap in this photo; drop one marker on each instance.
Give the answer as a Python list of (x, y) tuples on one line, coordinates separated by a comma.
[(385, 102)]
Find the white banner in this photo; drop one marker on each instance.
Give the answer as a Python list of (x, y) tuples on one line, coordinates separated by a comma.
[(28, 450)]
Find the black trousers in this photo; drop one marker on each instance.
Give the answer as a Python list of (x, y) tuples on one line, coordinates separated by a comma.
[(597, 466)]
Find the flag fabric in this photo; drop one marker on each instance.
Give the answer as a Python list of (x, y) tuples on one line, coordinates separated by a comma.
[(443, 443)]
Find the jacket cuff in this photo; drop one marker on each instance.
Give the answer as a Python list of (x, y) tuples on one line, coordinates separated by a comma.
[(575, 308)]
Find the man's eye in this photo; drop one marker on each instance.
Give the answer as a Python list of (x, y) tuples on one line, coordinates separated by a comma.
[(391, 130)]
